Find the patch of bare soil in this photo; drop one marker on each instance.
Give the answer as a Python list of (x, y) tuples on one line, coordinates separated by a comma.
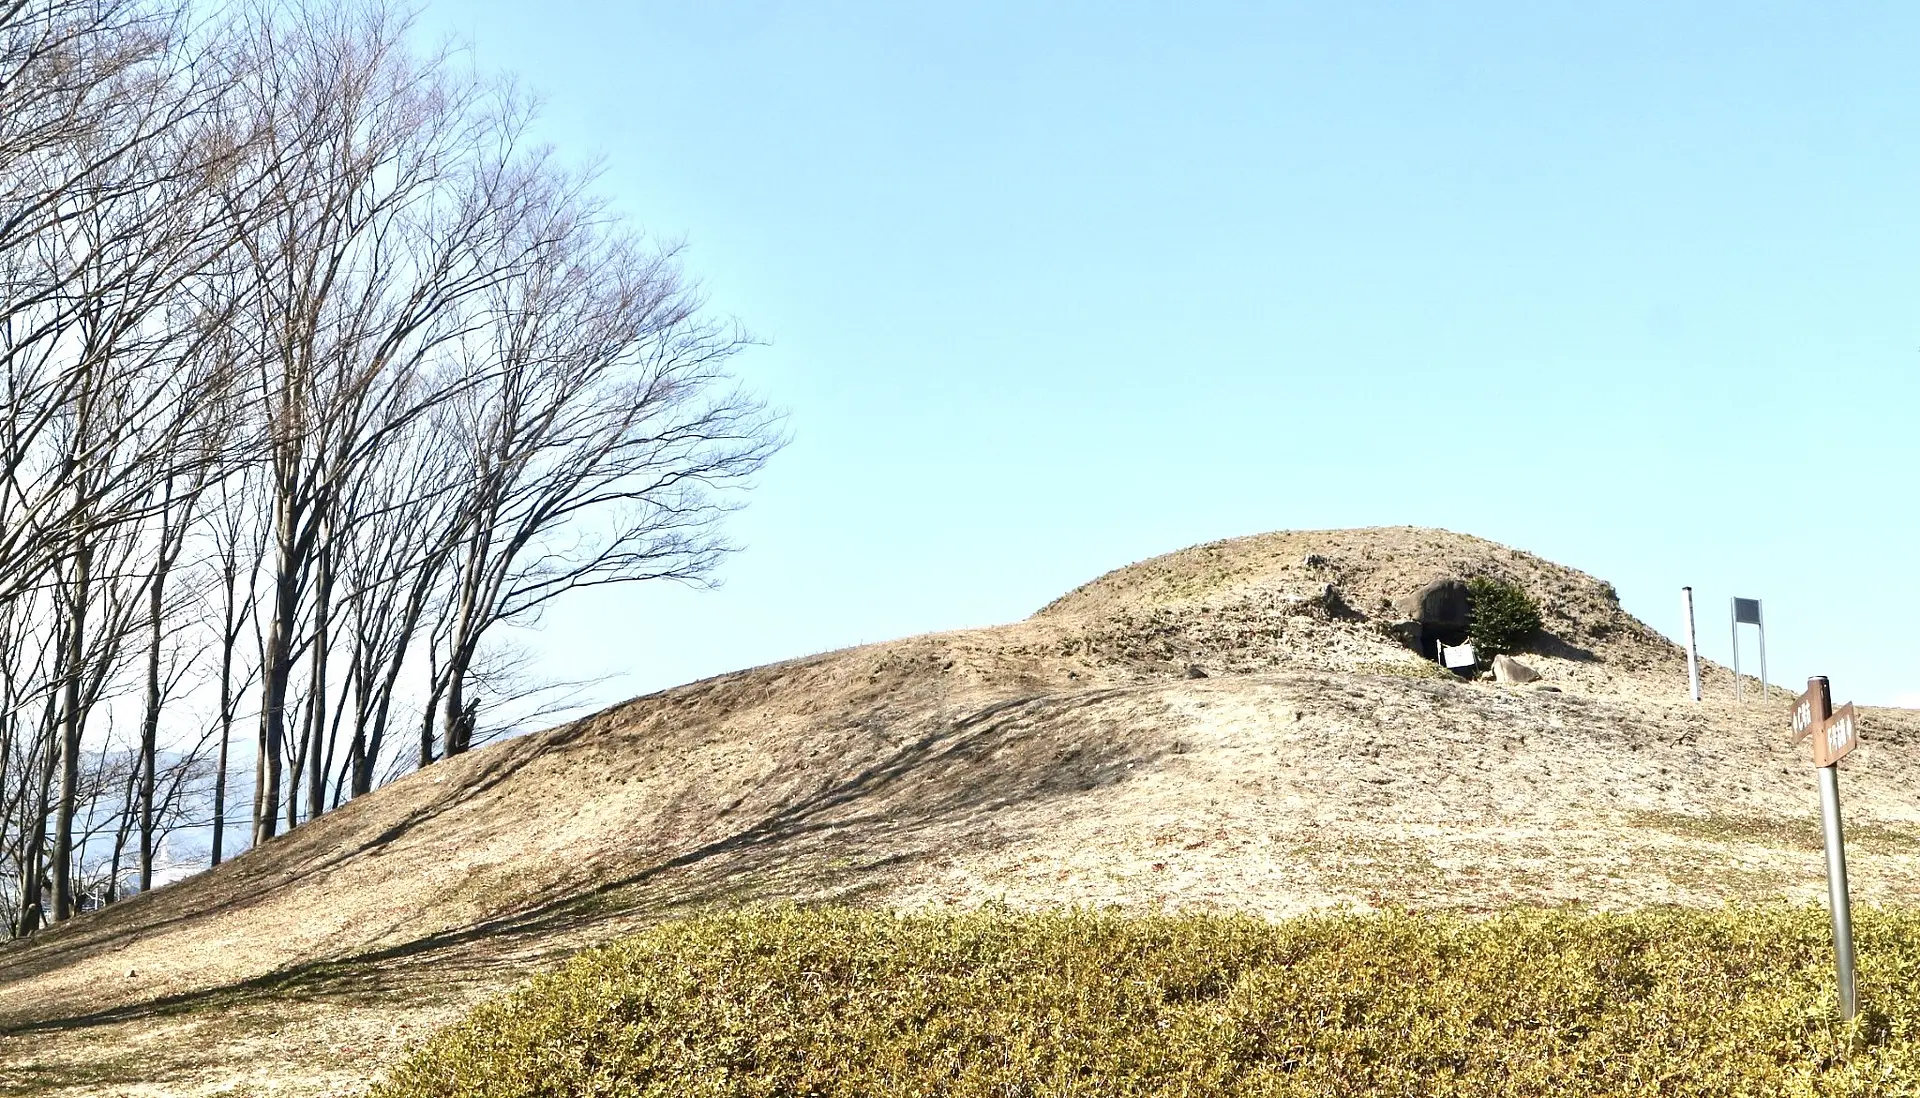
[(1065, 759)]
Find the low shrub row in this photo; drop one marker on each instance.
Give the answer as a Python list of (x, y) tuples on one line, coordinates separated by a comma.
[(850, 1002)]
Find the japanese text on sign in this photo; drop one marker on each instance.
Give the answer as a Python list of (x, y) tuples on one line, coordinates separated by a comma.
[(1839, 736), (1802, 718)]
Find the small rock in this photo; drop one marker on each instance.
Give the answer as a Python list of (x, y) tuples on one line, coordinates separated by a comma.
[(1194, 671), (1314, 560), (131, 974), (1541, 686), (1508, 669)]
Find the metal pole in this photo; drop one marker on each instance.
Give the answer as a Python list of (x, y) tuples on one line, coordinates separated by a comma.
[(1760, 613), (1693, 650), (1820, 700), (1733, 613), (1837, 901)]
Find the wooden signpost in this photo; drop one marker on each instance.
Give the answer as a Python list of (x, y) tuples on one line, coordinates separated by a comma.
[(1834, 735)]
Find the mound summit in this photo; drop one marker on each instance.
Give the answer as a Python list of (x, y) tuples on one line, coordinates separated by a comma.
[(1231, 726)]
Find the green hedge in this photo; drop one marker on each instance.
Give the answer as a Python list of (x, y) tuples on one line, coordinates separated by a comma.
[(840, 1002)]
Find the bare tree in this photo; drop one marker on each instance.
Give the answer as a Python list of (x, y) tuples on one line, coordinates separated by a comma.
[(107, 163), (601, 434), (388, 181), (106, 154), (27, 641), (238, 546), (394, 557), (299, 337), (171, 524)]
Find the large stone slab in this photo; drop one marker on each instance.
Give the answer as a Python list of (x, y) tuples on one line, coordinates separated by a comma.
[(1440, 606), (1508, 669)]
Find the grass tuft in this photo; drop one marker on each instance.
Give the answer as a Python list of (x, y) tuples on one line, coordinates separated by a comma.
[(1408, 669)]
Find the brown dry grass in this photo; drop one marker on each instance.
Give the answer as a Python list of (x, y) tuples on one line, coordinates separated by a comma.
[(1063, 759)]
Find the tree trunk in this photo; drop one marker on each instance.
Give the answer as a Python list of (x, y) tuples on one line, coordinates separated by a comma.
[(357, 762), (275, 671), (276, 663), (70, 726), (431, 713), (260, 807), (426, 733), (228, 638), (461, 713), (296, 761), (150, 721), (120, 840), (317, 696), (33, 881), (369, 751), (368, 741)]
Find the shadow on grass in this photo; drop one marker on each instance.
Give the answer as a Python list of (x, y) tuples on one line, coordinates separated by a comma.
[(24, 1078), (308, 851), (1546, 643), (884, 815)]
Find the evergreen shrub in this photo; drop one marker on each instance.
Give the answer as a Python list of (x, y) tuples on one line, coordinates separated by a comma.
[(1501, 617)]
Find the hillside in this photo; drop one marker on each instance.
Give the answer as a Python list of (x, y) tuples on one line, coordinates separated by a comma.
[(1229, 726)]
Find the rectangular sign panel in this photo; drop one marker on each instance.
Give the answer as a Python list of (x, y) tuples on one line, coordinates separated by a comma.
[(1746, 611), (1457, 657), (1803, 721), (1839, 736)]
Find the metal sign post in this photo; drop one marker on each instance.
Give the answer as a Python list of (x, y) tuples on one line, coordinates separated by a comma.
[(1693, 650), (1834, 735), (1747, 612)]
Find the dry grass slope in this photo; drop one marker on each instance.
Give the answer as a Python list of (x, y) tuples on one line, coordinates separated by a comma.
[(1063, 759)]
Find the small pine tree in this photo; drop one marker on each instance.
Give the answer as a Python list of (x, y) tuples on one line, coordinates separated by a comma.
[(1501, 617)]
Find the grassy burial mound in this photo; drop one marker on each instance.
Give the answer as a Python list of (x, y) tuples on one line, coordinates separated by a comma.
[(1234, 727), (1673, 1003)]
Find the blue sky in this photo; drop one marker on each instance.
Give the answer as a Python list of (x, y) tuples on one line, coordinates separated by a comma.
[(1047, 290)]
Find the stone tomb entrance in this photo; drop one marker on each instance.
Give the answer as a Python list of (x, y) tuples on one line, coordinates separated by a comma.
[(1432, 616)]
